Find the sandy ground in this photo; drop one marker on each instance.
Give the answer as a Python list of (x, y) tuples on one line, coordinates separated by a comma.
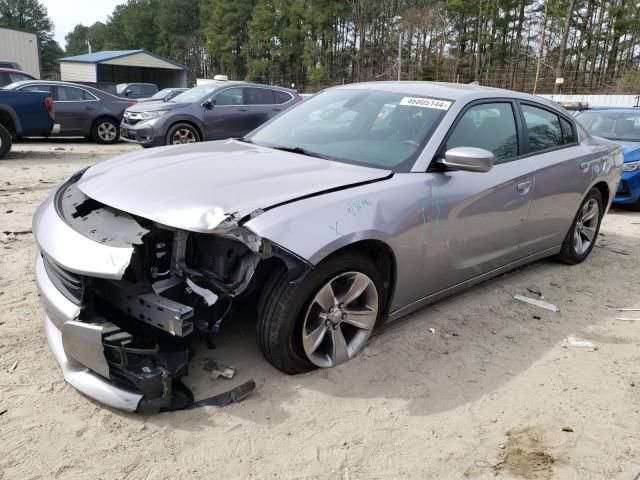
[(485, 396)]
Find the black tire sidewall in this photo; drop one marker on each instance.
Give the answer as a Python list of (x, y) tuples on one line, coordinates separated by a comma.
[(173, 128), (5, 141), (294, 300), (568, 248), (94, 131)]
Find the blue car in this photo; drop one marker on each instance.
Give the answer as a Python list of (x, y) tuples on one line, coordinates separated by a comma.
[(623, 126)]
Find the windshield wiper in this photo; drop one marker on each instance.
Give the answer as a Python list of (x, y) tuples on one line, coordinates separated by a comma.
[(302, 151)]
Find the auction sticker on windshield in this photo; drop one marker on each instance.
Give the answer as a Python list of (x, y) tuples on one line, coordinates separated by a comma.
[(425, 103)]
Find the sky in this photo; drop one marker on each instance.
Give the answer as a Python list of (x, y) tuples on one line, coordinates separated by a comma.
[(66, 14)]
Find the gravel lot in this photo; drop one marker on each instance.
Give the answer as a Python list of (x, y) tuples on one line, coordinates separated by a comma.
[(485, 396)]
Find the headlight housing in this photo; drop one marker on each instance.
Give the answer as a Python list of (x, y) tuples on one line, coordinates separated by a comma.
[(151, 115), (631, 166)]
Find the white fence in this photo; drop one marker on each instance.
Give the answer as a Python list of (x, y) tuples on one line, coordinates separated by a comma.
[(625, 101)]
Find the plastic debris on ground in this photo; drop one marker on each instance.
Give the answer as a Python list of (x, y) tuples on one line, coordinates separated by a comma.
[(538, 303), (574, 342)]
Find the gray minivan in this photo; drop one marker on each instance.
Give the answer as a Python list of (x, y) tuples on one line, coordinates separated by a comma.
[(213, 111)]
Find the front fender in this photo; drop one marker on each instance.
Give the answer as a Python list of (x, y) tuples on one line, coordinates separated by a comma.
[(316, 227)]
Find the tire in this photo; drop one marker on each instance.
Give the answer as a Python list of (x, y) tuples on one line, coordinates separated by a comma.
[(182, 133), (5, 141), (285, 311), (574, 252), (105, 131)]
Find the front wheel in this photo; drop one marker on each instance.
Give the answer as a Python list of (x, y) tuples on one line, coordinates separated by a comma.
[(5, 141), (181, 133), (325, 319), (584, 230)]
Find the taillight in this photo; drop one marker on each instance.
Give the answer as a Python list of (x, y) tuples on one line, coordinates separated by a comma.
[(131, 104), (48, 103)]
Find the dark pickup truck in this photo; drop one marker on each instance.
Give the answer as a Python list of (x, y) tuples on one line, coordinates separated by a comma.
[(24, 114)]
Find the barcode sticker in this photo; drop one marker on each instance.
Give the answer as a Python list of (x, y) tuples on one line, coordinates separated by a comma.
[(426, 103)]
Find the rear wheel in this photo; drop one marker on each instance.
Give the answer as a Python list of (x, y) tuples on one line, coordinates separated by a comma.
[(323, 320), (584, 230), (5, 141), (105, 131), (181, 133)]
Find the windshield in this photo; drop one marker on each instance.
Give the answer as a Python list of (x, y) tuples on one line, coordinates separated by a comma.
[(621, 126), (195, 94), (373, 128), (162, 93)]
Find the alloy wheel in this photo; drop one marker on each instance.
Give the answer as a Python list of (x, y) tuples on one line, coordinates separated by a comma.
[(340, 319), (586, 226), (183, 135), (107, 131)]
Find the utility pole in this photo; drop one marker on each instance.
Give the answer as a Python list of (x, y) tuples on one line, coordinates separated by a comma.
[(399, 54)]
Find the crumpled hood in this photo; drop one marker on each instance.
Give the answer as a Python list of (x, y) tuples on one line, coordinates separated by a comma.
[(196, 187), (631, 151)]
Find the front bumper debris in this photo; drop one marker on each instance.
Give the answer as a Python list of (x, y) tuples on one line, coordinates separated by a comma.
[(116, 342)]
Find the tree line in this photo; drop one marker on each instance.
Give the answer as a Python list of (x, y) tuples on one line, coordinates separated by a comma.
[(591, 45)]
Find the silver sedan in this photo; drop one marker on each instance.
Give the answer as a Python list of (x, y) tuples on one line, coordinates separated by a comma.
[(354, 208)]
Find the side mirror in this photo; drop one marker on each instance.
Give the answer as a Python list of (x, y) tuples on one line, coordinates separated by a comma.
[(127, 93), (468, 159), (208, 104)]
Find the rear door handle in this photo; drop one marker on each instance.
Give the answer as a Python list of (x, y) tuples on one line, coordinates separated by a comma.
[(524, 187), (277, 109), (242, 109)]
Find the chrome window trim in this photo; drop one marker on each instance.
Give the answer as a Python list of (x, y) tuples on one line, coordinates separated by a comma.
[(247, 105)]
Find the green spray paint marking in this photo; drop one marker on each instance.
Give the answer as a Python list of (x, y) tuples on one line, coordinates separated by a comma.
[(431, 202)]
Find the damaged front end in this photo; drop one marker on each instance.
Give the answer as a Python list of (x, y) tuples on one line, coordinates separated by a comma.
[(124, 296)]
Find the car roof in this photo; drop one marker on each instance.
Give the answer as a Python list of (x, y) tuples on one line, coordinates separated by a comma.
[(449, 91), (12, 70), (91, 89)]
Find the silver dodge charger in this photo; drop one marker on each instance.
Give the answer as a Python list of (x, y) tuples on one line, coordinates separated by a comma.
[(354, 208)]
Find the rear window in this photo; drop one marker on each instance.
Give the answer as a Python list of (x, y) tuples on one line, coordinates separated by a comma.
[(282, 97), (259, 96)]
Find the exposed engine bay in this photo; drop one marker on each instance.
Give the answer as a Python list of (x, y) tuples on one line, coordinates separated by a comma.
[(179, 285)]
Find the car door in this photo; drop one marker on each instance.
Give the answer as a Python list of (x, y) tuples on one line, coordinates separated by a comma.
[(562, 174), (261, 105), (486, 212), (226, 115), (74, 110)]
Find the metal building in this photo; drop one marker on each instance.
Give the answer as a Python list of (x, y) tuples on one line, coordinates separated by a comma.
[(20, 47), (123, 66)]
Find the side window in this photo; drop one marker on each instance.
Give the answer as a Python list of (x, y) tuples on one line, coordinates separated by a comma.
[(230, 96), (70, 94), (149, 90), (37, 88), (259, 96), (490, 126), (18, 77), (568, 135), (136, 90), (281, 97), (543, 128)]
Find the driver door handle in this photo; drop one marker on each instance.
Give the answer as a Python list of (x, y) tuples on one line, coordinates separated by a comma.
[(242, 109), (524, 187), (584, 166)]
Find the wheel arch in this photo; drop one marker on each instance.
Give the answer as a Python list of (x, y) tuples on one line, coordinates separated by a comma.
[(378, 251), (9, 120), (603, 187)]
